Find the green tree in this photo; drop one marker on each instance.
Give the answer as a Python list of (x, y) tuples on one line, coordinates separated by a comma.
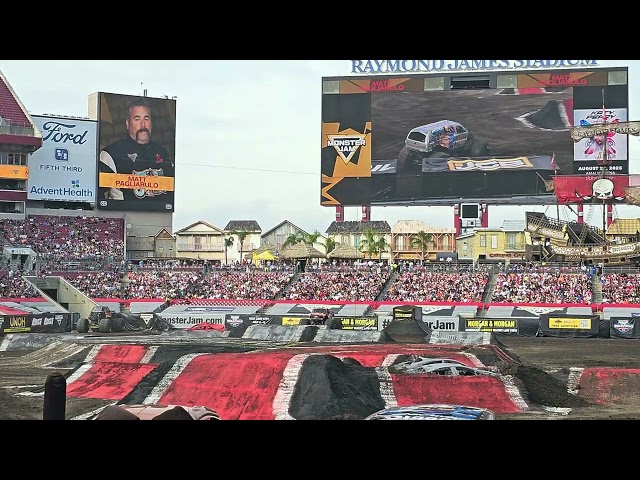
[(228, 242), (292, 239), (242, 235), (372, 243), (330, 245), (311, 238), (422, 241)]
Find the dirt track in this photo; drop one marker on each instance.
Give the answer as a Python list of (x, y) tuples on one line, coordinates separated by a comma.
[(543, 369)]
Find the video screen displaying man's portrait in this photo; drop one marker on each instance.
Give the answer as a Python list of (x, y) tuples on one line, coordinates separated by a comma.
[(136, 160)]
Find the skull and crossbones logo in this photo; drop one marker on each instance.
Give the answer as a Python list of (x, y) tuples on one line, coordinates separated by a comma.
[(601, 189)]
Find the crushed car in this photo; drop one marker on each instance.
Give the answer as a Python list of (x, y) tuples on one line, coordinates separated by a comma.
[(433, 412)]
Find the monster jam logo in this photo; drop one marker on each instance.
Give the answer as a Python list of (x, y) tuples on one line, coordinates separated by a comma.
[(623, 326), (346, 145), (489, 164)]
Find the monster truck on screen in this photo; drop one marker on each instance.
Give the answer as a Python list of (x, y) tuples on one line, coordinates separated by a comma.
[(443, 160), (437, 141)]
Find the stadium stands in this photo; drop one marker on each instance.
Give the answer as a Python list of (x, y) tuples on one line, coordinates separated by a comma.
[(88, 251)]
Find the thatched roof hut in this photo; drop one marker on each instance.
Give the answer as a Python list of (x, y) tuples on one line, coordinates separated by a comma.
[(345, 251), (301, 250)]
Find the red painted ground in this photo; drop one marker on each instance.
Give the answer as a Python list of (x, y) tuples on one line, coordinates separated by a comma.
[(121, 353), (109, 381), (604, 385), (237, 385), (486, 392), (243, 385)]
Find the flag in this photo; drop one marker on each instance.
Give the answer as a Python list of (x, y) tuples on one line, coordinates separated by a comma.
[(554, 165)]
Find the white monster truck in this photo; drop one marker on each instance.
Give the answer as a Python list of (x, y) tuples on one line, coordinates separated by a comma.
[(438, 140)]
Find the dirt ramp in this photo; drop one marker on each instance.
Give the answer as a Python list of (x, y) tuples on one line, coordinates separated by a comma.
[(329, 387), (405, 331)]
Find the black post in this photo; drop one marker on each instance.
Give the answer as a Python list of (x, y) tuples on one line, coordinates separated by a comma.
[(55, 397)]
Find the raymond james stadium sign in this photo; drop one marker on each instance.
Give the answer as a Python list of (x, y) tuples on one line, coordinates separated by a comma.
[(402, 66)]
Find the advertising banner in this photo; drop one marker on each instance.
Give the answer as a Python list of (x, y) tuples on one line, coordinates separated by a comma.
[(594, 148), (571, 326), (15, 172), (358, 323), (494, 325), (591, 188), (136, 161), (622, 327), (427, 142), (237, 324), (184, 321), (430, 323), (35, 323), (64, 168)]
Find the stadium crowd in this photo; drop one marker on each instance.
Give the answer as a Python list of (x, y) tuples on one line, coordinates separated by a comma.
[(358, 284), (542, 287), (419, 285), (88, 251)]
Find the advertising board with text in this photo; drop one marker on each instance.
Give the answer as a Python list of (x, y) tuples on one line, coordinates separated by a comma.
[(589, 153), (398, 141), (136, 160), (64, 168)]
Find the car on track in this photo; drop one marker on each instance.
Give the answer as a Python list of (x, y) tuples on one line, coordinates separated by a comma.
[(417, 364), (320, 315), (448, 369), (439, 140), (433, 412)]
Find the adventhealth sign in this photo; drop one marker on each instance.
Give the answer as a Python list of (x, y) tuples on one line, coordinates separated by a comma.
[(64, 168), (403, 66)]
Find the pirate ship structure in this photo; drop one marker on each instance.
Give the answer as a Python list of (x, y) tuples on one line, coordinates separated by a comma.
[(556, 240)]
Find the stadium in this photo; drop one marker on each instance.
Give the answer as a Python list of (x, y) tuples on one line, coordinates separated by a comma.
[(97, 283)]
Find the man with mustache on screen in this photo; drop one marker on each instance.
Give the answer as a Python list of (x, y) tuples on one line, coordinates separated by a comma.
[(136, 154)]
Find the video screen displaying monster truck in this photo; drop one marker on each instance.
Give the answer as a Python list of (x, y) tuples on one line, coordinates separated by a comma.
[(441, 147)]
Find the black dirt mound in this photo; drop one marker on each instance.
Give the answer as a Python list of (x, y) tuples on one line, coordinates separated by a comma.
[(405, 331), (329, 388), (542, 388), (548, 117)]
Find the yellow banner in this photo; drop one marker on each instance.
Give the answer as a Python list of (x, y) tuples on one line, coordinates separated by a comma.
[(146, 182), (573, 323), (17, 172), (291, 320)]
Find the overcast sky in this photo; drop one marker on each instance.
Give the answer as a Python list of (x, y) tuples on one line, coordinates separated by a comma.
[(248, 134)]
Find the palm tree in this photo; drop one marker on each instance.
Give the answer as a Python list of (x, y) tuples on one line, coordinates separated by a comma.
[(291, 239), (330, 245), (422, 240), (374, 243), (382, 246), (228, 242), (311, 238), (242, 234)]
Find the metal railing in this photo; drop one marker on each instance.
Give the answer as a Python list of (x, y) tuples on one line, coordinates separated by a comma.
[(6, 128), (198, 247)]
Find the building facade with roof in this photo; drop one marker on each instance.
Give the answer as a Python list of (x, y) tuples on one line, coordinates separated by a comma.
[(161, 245), (624, 230), (19, 138), (252, 232), (352, 233), (404, 248), (503, 244), (276, 236), (201, 241)]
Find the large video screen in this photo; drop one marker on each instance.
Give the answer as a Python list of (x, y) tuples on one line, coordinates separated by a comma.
[(64, 168), (136, 159), (450, 145)]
